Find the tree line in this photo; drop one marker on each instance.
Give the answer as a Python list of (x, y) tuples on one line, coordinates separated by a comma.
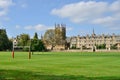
[(35, 43)]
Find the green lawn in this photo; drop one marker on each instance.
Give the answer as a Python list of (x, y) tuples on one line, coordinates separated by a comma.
[(60, 66)]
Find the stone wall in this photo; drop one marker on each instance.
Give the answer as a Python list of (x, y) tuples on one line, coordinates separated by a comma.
[(73, 50)]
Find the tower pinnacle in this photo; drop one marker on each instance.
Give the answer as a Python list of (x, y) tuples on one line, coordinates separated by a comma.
[(93, 31)]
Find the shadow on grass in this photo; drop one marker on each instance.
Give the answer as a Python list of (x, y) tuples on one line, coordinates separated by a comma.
[(22, 75)]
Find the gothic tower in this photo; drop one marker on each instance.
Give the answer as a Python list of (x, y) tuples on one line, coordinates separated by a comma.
[(60, 33)]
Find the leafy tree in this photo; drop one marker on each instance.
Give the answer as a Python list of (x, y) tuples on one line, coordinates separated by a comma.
[(101, 46), (35, 36), (114, 46), (5, 43), (23, 40), (36, 44), (73, 47), (49, 38)]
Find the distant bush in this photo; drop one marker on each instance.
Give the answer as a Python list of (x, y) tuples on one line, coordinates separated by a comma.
[(114, 46), (101, 46), (73, 47)]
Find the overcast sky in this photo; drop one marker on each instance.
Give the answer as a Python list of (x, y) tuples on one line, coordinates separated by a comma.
[(80, 16)]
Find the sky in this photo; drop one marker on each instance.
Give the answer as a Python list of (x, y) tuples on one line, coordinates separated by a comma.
[(80, 16)]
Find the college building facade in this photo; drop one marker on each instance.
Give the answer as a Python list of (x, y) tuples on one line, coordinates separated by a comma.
[(92, 41)]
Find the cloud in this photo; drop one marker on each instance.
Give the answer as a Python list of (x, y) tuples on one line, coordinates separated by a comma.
[(104, 20), (3, 12), (17, 27), (115, 6), (39, 27), (81, 11), (69, 28), (91, 12), (24, 5), (115, 28), (4, 5)]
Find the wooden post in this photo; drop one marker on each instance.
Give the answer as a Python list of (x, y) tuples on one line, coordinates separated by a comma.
[(13, 50), (13, 54), (29, 53)]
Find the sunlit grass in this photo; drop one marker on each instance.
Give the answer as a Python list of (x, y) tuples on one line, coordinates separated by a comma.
[(60, 66)]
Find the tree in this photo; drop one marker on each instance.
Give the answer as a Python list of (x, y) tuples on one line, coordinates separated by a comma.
[(101, 46), (114, 46), (36, 44), (23, 40), (35, 36), (5, 43), (49, 38)]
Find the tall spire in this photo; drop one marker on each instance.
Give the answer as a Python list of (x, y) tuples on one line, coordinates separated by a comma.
[(93, 34), (41, 37), (55, 25), (93, 31)]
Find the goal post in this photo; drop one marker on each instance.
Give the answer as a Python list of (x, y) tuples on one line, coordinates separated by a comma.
[(20, 47)]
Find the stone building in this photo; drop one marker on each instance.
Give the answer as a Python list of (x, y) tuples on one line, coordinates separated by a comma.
[(15, 42), (90, 42), (60, 30), (59, 38)]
